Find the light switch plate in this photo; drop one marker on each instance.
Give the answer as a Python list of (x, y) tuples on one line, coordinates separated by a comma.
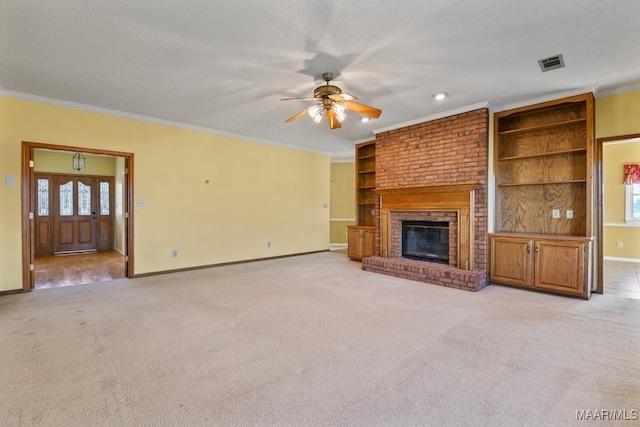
[(9, 181), (140, 202)]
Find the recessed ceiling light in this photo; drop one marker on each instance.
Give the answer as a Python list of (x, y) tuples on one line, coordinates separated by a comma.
[(439, 96), (364, 119)]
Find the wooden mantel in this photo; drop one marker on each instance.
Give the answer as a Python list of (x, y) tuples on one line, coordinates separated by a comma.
[(457, 198)]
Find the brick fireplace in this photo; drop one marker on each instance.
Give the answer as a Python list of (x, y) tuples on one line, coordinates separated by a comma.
[(434, 171)]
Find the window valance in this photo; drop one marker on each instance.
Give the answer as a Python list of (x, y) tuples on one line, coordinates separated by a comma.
[(631, 174)]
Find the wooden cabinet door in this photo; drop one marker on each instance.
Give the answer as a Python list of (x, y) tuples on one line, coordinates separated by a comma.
[(511, 260), (368, 243), (559, 266), (354, 243)]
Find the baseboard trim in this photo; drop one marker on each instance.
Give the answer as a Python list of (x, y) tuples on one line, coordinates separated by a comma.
[(11, 292), (222, 264), (337, 246), (614, 258)]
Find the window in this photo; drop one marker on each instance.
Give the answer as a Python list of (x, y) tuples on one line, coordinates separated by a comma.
[(66, 199), (104, 198), (84, 199), (43, 197), (633, 204)]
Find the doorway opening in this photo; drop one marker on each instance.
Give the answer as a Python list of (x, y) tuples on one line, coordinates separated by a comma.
[(77, 220), (618, 263)]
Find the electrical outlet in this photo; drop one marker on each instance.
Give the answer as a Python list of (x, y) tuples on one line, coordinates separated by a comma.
[(555, 213), (174, 253), (569, 214), (619, 244)]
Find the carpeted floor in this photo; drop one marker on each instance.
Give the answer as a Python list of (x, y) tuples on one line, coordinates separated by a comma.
[(312, 341)]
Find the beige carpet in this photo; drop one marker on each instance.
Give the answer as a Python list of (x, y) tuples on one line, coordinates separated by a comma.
[(312, 341)]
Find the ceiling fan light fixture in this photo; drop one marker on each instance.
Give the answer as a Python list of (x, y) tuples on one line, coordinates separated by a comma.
[(364, 119), (315, 112), (318, 117), (340, 109), (332, 103), (439, 96)]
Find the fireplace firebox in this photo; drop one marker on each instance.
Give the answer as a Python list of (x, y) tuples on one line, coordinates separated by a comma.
[(426, 241)]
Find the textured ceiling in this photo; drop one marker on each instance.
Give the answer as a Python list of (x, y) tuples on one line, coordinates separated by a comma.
[(225, 65)]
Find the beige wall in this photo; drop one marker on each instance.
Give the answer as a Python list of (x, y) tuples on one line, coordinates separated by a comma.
[(60, 162), (618, 115), (213, 198), (615, 228), (343, 200)]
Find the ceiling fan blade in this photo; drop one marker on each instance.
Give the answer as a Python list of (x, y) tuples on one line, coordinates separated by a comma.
[(301, 99), (334, 123), (297, 116), (341, 97), (363, 109)]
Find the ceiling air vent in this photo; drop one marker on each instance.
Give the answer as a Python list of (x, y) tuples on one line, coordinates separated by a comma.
[(551, 63)]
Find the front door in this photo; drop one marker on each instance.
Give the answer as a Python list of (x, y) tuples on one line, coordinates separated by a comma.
[(74, 213)]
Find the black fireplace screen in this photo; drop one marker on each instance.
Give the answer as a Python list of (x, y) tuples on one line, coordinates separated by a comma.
[(426, 241)]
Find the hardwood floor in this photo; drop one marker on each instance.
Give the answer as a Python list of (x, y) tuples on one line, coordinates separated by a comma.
[(76, 269), (622, 279)]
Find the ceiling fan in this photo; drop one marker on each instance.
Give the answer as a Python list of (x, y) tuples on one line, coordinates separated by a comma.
[(330, 101)]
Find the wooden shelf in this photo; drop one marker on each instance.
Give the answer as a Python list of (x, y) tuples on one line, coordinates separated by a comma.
[(520, 184), (365, 182), (542, 127), (544, 162), (547, 154)]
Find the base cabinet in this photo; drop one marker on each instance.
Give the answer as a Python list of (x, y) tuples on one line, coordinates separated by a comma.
[(361, 242), (559, 264)]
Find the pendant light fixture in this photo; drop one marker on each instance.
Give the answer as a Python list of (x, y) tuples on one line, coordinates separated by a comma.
[(78, 162)]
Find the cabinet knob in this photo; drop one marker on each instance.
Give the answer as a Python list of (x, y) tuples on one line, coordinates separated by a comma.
[(537, 248), (528, 248)]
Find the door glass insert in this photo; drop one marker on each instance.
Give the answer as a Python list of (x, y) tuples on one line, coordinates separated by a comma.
[(104, 198), (84, 199), (43, 197), (66, 199)]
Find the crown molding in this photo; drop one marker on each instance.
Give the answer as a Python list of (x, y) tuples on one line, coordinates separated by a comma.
[(343, 159), (148, 119), (433, 117), (546, 98), (617, 90)]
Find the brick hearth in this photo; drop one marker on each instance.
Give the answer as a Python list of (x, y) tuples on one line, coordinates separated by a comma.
[(428, 272)]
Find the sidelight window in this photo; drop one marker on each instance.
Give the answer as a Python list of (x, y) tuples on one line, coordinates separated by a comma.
[(104, 198), (43, 197)]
